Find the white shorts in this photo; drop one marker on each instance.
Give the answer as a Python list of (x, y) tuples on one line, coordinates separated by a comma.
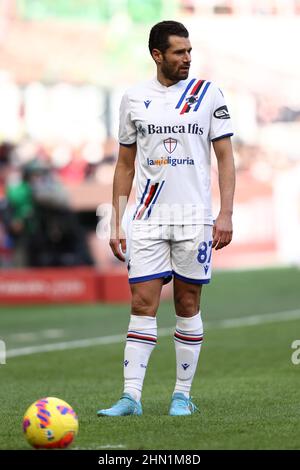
[(162, 251)]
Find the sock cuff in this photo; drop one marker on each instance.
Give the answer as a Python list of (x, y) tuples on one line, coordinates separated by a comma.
[(193, 323), (140, 322), (142, 330)]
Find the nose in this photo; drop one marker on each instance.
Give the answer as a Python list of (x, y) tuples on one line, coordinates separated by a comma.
[(187, 57)]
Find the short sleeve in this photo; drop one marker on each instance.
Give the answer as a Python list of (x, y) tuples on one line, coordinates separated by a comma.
[(127, 129), (220, 124)]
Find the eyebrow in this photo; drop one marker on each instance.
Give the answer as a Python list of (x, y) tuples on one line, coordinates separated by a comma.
[(183, 50)]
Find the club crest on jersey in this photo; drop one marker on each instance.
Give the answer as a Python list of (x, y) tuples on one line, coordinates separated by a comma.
[(170, 144), (192, 96), (191, 100)]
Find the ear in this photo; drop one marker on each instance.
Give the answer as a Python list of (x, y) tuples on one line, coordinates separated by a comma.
[(157, 56)]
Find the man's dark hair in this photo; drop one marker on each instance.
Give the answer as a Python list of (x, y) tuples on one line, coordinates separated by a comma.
[(160, 32)]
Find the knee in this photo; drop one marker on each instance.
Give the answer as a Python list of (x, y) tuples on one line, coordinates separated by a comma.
[(143, 305), (186, 304)]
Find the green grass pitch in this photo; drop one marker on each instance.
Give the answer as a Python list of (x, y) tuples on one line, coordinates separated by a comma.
[(246, 386)]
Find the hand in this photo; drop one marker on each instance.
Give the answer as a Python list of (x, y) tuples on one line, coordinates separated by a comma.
[(118, 245), (222, 231)]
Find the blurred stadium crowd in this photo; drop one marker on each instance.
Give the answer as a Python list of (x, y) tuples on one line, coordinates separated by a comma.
[(63, 68), (37, 226)]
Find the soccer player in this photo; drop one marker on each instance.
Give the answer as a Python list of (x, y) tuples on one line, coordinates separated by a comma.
[(166, 128)]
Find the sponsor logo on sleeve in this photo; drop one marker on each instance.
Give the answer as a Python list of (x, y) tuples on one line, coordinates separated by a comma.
[(222, 113)]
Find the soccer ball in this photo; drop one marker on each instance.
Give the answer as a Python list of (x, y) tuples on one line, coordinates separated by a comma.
[(50, 423)]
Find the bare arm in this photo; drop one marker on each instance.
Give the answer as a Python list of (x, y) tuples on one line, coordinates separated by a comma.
[(123, 178), (222, 231)]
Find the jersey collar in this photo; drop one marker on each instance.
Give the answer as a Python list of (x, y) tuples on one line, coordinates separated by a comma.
[(176, 86)]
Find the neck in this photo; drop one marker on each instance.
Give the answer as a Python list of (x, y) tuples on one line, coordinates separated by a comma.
[(164, 80)]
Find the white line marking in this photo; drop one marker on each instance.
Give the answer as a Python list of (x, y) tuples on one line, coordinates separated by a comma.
[(24, 337), (53, 333), (80, 343), (258, 319), (85, 343), (29, 336)]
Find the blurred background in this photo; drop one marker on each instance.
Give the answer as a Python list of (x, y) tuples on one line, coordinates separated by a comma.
[(64, 65)]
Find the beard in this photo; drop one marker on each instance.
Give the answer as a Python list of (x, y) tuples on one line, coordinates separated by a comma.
[(173, 74)]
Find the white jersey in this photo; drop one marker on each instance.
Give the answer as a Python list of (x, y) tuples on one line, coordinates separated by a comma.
[(173, 128)]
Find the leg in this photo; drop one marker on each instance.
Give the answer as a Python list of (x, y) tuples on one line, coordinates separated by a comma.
[(188, 338), (186, 298), (145, 297), (142, 334), (191, 265), (141, 339), (148, 266)]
